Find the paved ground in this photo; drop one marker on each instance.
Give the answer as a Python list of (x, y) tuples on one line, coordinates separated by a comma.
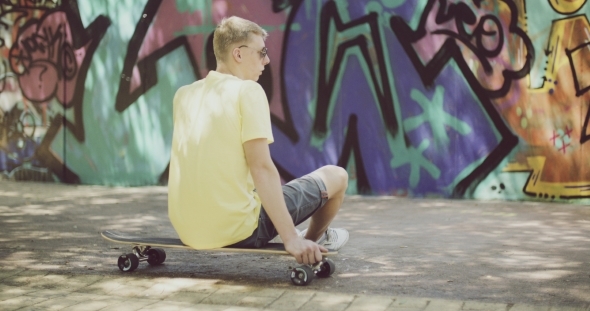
[(403, 254)]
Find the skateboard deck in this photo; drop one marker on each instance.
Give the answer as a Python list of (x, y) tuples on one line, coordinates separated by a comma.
[(148, 249), (125, 238)]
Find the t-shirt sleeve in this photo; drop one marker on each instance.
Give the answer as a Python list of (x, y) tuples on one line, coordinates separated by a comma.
[(255, 112), (175, 103)]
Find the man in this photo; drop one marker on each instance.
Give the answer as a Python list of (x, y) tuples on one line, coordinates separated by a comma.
[(224, 189)]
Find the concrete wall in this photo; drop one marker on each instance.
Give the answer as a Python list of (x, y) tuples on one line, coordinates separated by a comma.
[(482, 99)]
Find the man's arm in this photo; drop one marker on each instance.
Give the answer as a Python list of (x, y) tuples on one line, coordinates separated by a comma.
[(268, 186)]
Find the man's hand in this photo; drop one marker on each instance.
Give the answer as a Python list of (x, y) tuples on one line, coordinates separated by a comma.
[(305, 251), (268, 186)]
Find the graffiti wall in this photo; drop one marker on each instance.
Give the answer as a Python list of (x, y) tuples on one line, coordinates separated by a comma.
[(485, 99)]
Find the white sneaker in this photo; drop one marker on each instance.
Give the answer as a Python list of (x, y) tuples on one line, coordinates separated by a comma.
[(333, 239), (277, 239)]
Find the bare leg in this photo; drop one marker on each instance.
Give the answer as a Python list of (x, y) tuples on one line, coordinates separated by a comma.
[(336, 180)]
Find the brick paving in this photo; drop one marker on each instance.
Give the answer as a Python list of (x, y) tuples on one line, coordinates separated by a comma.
[(19, 292)]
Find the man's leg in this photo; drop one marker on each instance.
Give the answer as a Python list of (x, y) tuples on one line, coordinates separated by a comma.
[(336, 180)]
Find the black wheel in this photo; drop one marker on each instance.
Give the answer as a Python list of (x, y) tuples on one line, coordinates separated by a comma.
[(128, 262), (156, 256), (301, 276), (328, 267)]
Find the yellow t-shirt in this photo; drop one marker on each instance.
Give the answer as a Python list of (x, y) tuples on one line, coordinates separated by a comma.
[(211, 197)]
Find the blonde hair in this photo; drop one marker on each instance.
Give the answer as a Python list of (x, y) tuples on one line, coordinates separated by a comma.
[(233, 30)]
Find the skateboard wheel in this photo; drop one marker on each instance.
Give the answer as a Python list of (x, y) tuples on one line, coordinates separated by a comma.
[(328, 267), (128, 262), (156, 256), (301, 276)]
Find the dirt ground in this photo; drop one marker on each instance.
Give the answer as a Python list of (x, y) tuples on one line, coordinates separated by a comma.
[(504, 252)]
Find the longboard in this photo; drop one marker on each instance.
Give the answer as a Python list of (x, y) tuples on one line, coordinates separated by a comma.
[(148, 249)]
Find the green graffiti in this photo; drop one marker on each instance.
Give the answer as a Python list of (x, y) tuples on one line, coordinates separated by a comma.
[(192, 6), (195, 30), (342, 7), (417, 13), (436, 116), (130, 147), (352, 178), (309, 5), (390, 4), (501, 186), (292, 27), (412, 156)]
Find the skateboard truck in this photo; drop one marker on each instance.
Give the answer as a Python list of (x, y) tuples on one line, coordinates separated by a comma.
[(302, 275), (130, 262)]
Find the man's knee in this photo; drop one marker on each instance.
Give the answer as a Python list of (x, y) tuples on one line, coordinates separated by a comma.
[(337, 176), (342, 175)]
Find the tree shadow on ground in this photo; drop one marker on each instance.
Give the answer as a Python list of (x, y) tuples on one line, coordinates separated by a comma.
[(505, 252)]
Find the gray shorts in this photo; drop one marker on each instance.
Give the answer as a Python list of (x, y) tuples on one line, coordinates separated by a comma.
[(303, 196)]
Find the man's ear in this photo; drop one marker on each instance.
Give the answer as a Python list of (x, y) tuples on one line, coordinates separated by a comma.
[(237, 55)]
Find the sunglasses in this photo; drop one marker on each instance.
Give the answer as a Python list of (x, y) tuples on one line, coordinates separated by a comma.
[(262, 52)]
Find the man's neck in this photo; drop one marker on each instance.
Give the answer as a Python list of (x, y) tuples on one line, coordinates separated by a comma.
[(222, 68)]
